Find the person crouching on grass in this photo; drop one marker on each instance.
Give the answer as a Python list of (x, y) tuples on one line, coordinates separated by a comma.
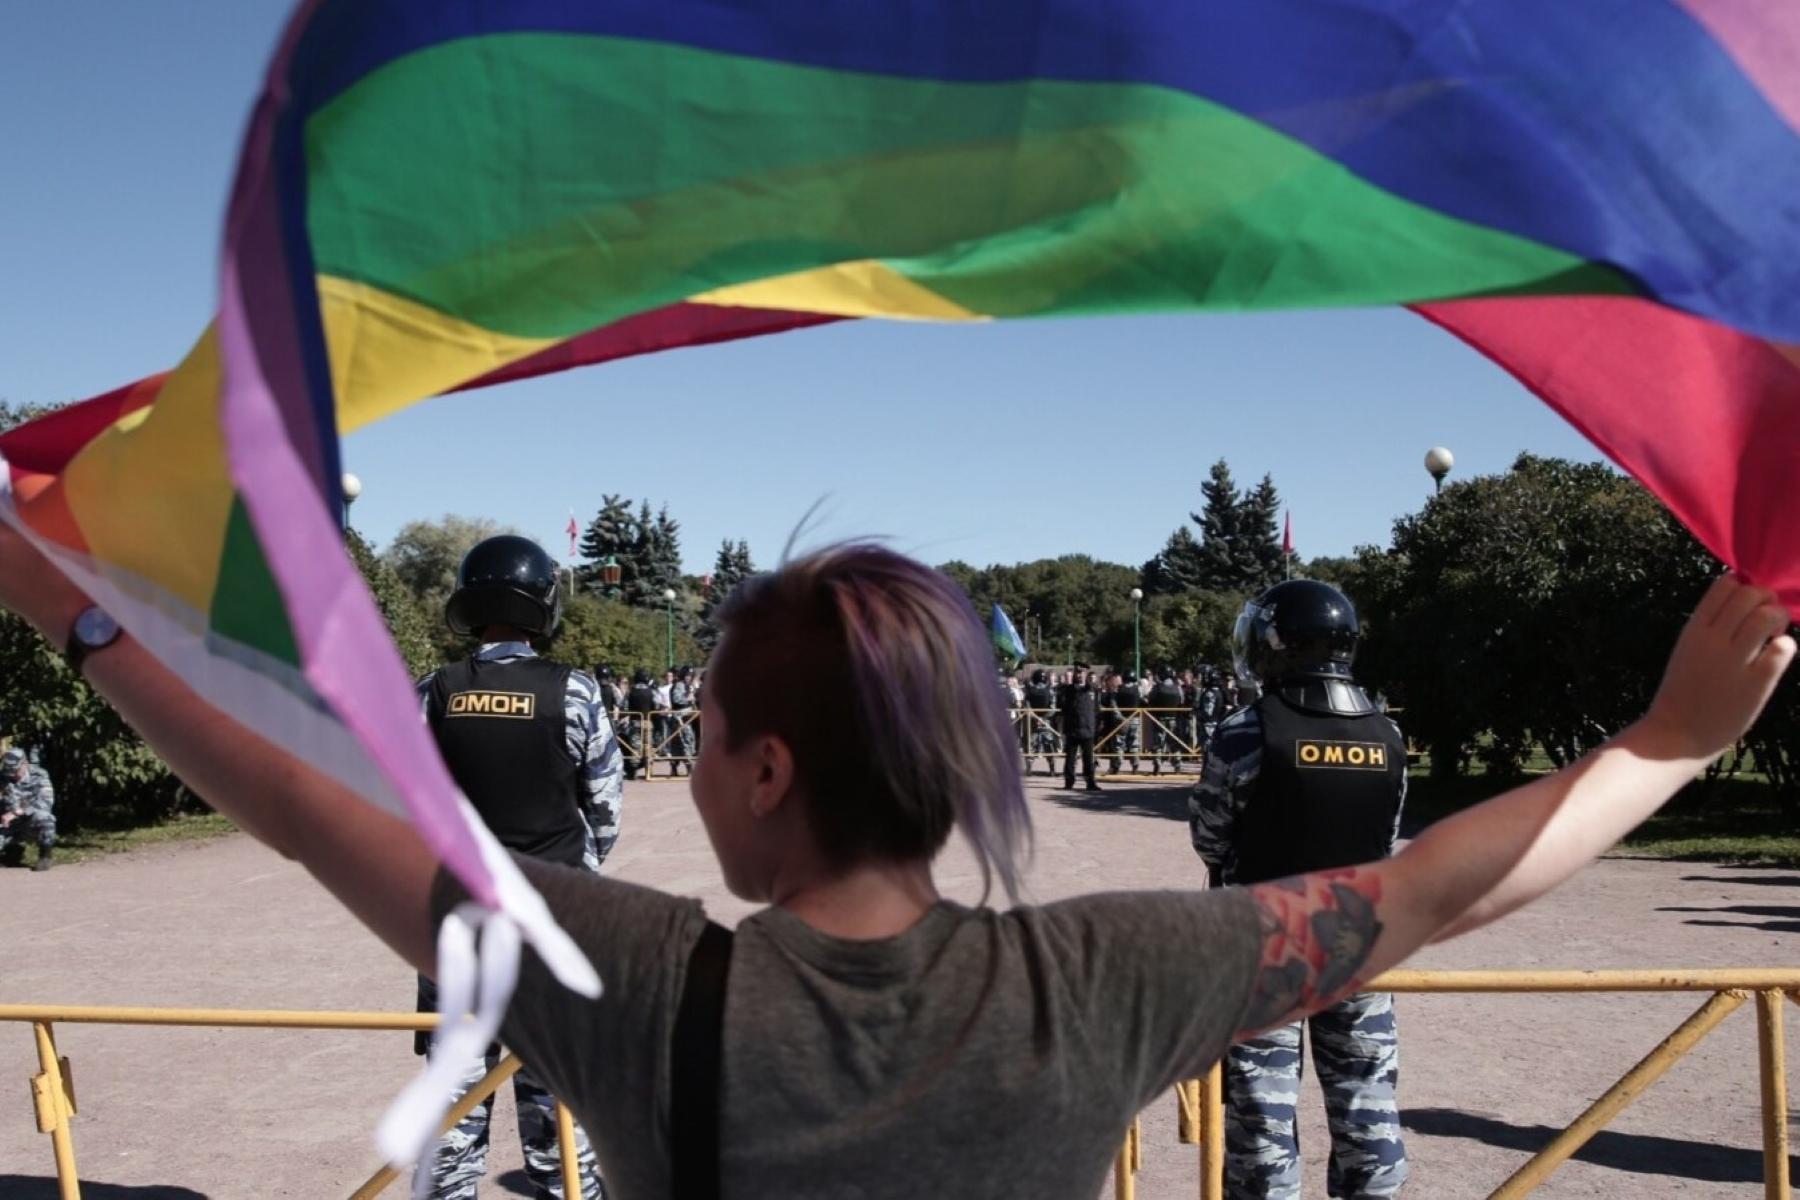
[(879, 1040)]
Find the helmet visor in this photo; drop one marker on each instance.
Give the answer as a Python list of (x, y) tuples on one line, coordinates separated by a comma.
[(1241, 633)]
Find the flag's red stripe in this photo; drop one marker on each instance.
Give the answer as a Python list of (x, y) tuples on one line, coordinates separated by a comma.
[(1705, 417), (45, 446), (662, 329)]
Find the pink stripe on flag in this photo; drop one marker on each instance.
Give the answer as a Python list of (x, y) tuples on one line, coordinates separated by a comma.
[(346, 652), (1705, 417), (1763, 38)]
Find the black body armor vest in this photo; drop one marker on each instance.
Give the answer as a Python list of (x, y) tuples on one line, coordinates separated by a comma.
[(500, 727), (1326, 794)]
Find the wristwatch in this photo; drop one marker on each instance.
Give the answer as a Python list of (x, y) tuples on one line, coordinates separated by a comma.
[(94, 629)]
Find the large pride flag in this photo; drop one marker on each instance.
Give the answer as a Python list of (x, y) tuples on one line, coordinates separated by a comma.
[(1602, 196)]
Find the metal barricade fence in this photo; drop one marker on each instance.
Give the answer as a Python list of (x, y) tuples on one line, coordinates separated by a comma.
[(667, 738), (1200, 1107), (1171, 740), (53, 1087), (1200, 1115)]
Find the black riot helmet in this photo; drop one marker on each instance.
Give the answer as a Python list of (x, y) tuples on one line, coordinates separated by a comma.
[(1301, 629), (506, 580)]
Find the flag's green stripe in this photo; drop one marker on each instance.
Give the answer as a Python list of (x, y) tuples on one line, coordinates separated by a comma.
[(247, 606), (542, 185)]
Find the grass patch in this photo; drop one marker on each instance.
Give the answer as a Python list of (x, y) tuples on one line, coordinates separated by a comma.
[(1737, 821), (86, 844)]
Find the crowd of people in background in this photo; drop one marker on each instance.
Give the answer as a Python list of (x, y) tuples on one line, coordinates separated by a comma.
[(1157, 723), (1162, 719), (654, 719)]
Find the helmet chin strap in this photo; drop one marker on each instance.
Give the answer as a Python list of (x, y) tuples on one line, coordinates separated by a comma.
[(1327, 695)]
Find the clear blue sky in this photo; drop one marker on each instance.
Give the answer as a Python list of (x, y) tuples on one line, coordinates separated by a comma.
[(119, 123)]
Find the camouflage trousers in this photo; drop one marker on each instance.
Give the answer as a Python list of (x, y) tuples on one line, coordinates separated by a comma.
[(458, 1161), (29, 829), (1356, 1052), (1125, 744)]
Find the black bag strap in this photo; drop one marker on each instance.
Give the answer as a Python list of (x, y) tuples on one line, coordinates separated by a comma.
[(695, 1057)]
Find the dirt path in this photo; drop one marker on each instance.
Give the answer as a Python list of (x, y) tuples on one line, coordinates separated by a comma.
[(173, 1114)]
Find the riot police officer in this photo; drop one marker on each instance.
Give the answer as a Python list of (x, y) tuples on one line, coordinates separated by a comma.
[(1165, 745), (529, 744), (682, 700), (1308, 777), (1125, 742), (641, 706), (27, 808), (1110, 719), (1042, 736)]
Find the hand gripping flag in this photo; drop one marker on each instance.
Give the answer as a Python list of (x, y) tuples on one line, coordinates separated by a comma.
[(435, 195), (1006, 638)]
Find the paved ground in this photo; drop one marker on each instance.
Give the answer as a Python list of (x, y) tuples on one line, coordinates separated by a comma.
[(178, 1114)]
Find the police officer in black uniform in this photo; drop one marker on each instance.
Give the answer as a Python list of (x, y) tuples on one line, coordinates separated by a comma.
[(1307, 777), (529, 743), (1078, 708)]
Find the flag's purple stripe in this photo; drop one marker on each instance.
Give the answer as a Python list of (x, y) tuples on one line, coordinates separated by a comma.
[(346, 652)]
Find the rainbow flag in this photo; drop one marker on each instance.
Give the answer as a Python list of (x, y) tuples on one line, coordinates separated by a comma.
[(437, 195)]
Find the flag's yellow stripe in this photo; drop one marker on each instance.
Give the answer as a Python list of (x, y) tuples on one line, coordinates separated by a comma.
[(388, 352), (856, 289), (171, 456)]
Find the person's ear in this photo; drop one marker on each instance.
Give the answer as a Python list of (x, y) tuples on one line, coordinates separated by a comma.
[(774, 776)]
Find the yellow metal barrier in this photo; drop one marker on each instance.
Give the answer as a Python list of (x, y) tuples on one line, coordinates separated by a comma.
[(666, 737), (1200, 1110), (53, 1089), (1200, 1113)]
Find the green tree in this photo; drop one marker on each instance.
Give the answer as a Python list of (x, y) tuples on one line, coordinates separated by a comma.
[(1177, 567), (597, 632), (425, 555), (731, 566), (1529, 609), (659, 557), (1184, 630), (1073, 603), (1259, 536), (413, 627), (613, 533), (1220, 563)]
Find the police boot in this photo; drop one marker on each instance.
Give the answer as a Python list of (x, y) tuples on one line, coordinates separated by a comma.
[(43, 860)]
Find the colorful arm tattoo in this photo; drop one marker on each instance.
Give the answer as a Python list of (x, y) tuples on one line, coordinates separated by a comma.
[(1317, 932)]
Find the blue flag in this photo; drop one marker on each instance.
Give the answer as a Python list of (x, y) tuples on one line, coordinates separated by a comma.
[(1006, 639)]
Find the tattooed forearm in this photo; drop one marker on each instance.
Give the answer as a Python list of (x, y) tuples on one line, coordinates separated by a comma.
[(1317, 932)]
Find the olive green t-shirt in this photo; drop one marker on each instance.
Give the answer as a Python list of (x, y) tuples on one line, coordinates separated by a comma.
[(980, 1053)]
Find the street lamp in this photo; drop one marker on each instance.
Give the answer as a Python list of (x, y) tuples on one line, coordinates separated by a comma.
[(669, 600), (1438, 461), (610, 572), (1137, 631), (352, 489)]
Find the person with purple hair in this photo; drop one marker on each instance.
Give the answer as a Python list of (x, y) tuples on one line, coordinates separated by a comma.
[(875, 1039)]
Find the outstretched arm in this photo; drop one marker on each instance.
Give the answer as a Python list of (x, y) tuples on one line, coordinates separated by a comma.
[(1326, 934), (373, 862)]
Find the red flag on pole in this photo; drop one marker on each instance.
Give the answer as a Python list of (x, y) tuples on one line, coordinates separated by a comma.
[(574, 531), (1287, 534)]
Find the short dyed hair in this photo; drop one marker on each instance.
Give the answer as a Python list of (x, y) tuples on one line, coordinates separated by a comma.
[(875, 672)]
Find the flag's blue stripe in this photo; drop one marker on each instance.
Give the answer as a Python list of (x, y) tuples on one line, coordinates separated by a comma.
[(1616, 130)]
